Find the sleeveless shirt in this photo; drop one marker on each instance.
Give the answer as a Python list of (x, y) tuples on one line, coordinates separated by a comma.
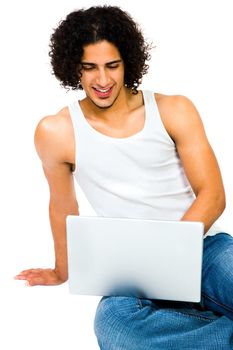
[(140, 176)]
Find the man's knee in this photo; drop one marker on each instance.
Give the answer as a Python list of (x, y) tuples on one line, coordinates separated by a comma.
[(112, 319), (117, 307)]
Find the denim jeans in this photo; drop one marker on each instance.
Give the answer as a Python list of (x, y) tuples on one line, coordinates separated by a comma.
[(129, 323), (217, 274)]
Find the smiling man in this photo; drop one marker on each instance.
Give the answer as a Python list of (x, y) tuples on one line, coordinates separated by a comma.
[(102, 80), (135, 154)]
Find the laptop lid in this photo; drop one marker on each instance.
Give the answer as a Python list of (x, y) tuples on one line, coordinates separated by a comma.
[(144, 258)]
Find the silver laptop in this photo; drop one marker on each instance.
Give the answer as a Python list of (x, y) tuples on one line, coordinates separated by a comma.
[(144, 258)]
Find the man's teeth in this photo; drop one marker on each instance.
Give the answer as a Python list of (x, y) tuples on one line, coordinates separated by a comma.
[(103, 90)]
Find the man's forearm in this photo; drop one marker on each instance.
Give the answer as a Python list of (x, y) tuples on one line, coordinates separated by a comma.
[(206, 208), (58, 225)]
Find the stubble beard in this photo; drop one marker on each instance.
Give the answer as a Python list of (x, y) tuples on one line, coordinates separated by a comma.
[(103, 107)]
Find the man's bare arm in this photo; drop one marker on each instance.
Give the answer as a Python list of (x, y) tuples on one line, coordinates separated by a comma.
[(56, 155), (184, 125)]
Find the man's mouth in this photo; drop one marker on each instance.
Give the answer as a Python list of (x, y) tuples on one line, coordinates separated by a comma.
[(103, 93)]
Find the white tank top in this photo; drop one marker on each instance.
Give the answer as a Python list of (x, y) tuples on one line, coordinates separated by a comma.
[(139, 176)]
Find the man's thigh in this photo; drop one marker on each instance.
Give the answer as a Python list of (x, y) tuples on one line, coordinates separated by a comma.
[(217, 274), (127, 323)]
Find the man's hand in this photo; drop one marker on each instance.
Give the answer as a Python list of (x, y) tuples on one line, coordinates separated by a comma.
[(45, 277)]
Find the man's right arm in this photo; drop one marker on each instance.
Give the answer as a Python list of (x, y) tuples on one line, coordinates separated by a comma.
[(57, 156)]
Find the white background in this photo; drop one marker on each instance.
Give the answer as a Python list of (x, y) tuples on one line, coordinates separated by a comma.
[(193, 57)]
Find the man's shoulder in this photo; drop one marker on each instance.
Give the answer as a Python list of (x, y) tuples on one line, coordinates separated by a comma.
[(54, 122), (178, 113), (174, 102), (52, 133), (175, 108)]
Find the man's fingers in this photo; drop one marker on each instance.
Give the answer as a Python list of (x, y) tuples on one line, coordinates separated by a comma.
[(27, 273), (32, 278), (35, 277), (35, 281)]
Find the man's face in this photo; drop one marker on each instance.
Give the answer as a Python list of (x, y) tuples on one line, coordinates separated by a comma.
[(102, 73)]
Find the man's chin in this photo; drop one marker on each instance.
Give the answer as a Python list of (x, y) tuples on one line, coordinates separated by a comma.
[(104, 107), (102, 104)]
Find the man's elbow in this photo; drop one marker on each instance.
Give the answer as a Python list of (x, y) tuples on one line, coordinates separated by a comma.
[(220, 202), (63, 207)]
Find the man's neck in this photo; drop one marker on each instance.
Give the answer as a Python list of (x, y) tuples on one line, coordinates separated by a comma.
[(125, 102)]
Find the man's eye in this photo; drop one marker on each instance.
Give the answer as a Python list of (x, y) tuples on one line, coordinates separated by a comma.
[(113, 66), (87, 68)]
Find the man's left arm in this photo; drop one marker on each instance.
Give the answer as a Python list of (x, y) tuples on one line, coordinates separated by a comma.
[(200, 164)]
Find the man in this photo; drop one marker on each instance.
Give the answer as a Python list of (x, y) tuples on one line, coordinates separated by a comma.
[(134, 153)]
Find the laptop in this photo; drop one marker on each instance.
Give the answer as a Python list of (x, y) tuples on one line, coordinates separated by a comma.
[(135, 257)]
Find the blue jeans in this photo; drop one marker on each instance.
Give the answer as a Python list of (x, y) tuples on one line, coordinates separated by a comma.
[(129, 323), (217, 274)]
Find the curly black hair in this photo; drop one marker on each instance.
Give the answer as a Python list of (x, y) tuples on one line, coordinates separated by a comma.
[(83, 27)]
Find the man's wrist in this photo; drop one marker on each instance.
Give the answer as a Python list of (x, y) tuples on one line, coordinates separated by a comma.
[(61, 273)]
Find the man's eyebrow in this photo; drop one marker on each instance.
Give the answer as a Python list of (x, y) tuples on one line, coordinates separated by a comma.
[(115, 61), (94, 64), (87, 63)]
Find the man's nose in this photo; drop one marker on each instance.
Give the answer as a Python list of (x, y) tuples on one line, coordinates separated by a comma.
[(102, 78)]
